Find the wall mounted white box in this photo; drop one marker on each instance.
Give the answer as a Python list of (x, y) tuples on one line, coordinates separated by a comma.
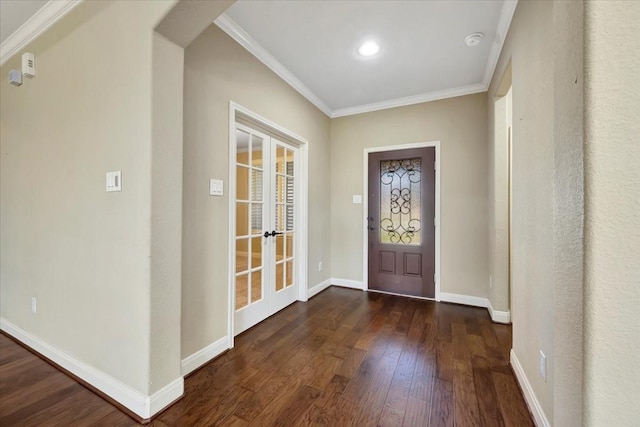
[(216, 187), (114, 181), (15, 78), (28, 64), (357, 199)]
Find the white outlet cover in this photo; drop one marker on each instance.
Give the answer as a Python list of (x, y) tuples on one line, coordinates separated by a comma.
[(543, 366), (114, 181), (357, 199), (216, 187)]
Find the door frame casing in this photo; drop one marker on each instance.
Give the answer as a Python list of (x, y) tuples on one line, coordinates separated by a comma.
[(365, 209), (302, 213)]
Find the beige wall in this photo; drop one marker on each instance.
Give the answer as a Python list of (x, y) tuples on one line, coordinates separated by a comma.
[(460, 126), (499, 200), (166, 211), (532, 260), (612, 214), (82, 252), (218, 70), (544, 48)]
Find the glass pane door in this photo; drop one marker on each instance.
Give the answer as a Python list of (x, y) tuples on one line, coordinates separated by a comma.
[(251, 217), (265, 275), (284, 211)]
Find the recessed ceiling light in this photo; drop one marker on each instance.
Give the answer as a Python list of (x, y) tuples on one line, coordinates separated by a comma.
[(473, 39), (369, 49)]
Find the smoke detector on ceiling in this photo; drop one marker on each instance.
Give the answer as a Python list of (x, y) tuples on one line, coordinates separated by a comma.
[(473, 39)]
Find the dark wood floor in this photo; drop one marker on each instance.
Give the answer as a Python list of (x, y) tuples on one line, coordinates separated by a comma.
[(344, 358)]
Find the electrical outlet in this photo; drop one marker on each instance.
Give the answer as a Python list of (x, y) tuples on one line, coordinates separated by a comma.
[(34, 305), (320, 266), (543, 366), (490, 282)]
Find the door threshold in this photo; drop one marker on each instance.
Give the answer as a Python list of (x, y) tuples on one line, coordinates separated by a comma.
[(400, 295)]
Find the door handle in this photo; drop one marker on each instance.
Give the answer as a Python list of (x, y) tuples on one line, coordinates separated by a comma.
[(370, 228), (273, 233)]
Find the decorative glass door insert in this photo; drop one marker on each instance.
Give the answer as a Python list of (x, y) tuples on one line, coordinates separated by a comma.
[(400, 209)]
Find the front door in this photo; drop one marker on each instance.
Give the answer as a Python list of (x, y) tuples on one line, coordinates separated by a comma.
[(401, 225), (265, 265)]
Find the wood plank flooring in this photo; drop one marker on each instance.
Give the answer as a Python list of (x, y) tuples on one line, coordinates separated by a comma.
[(345, 358)]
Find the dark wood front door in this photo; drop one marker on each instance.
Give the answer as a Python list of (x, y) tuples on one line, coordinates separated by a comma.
[(402, 186)]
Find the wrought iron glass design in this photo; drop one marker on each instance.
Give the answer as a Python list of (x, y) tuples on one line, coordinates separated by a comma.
[(400, 203)]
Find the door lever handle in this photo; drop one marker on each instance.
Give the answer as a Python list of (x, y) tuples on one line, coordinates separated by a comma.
[(273, 233)]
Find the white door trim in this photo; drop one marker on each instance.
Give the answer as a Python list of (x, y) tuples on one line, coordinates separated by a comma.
[(302, 239), (365, 206)]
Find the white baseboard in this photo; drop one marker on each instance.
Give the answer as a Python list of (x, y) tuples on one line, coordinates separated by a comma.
[(498, 316), (200, 357), (464, 299), (318, 288), (166, 396), (346, 283), (534, 405), (142, 405)]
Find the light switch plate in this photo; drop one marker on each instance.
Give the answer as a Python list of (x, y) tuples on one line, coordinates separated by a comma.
[(114, 181), (357, 199), (216, 187)]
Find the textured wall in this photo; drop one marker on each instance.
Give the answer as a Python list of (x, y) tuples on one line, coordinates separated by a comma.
[(218, 70), (83, 252), (460, 125), (568, 209), (544, 50), (612, 214)]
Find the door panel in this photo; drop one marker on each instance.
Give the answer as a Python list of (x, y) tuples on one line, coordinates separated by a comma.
[(285, 202), (251, 257), (401, 229)]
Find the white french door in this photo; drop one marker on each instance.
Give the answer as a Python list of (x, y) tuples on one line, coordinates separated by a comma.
[(266, 278)]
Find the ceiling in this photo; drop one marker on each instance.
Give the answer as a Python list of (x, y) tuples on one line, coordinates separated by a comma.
[(313, 45), (14, 13), (423, 56)]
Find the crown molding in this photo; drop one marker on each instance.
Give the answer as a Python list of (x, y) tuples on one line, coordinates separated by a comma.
[(409, 100), (504, 22), (236, 32), (44, 18)]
